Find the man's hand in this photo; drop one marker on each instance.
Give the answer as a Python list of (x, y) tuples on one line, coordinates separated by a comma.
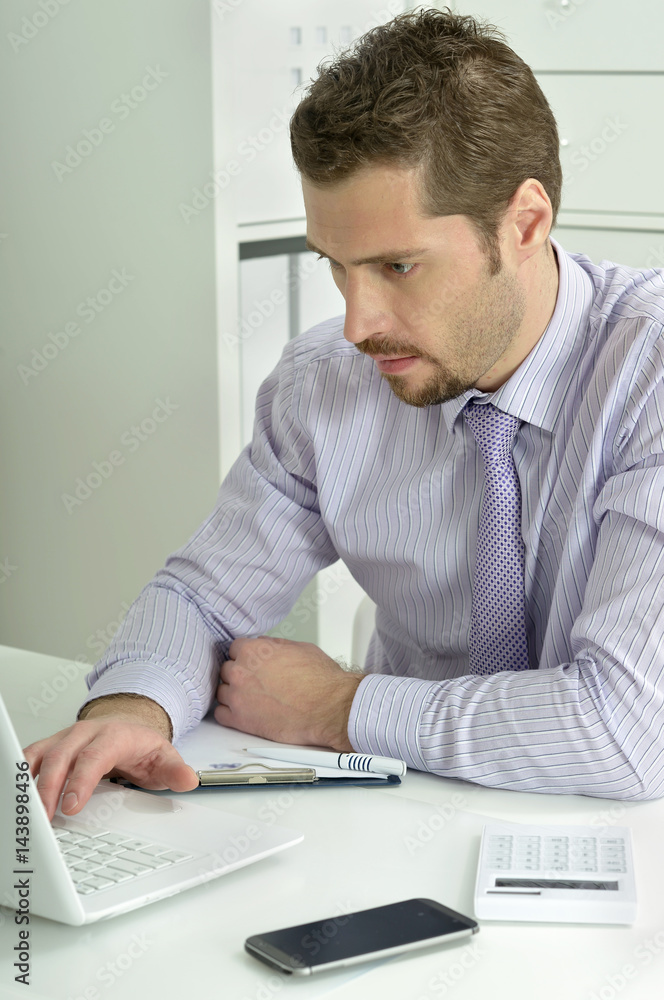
[(290, 692), (120, 736)]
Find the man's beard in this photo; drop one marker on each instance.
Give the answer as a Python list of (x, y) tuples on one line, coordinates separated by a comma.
[(488, 327), (442, 386)]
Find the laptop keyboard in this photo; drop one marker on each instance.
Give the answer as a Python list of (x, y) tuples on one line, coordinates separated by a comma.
[(104, 859)]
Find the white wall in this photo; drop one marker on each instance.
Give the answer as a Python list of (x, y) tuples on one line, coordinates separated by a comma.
[(142, 70)]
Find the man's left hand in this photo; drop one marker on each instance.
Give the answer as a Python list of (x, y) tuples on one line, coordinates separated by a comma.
[(286, 691)]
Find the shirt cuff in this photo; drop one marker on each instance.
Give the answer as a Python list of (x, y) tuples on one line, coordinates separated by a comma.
[(150, 681), (385, 717)]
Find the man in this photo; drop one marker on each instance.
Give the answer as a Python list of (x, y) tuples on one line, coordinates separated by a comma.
[(480, 439)]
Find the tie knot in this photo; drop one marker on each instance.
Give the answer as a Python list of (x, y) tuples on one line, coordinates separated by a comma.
[(493, 430)]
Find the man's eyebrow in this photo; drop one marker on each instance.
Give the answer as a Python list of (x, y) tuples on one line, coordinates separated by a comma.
[(391, 257)]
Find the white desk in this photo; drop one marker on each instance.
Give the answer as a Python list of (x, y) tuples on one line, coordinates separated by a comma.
[(363, 847)]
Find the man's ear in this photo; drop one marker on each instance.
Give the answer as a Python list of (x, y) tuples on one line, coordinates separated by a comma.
[(527, 221)]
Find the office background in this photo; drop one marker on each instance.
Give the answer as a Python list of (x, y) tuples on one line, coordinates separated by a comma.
[(152, 264)]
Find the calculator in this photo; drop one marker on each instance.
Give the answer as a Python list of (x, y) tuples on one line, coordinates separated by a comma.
[(577, 874)]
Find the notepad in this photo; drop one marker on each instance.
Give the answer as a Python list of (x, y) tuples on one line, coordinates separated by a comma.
[(215, 753)]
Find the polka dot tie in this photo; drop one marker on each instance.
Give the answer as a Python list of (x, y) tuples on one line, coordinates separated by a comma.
[(498, 622)]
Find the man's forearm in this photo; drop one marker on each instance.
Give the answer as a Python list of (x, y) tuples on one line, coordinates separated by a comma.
[(136, 707), (530, 730)]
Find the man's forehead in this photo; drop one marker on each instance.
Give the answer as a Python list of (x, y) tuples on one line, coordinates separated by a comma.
[(386, 256), (368, 188), (373, 215)]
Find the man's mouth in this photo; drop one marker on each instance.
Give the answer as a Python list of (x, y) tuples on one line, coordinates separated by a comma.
[(394, 366)]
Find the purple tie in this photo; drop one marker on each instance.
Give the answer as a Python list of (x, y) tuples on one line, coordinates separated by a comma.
[(498, 622)]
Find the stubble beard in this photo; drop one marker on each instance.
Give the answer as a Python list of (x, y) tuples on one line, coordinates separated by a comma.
[(441, 387), (498, 311)]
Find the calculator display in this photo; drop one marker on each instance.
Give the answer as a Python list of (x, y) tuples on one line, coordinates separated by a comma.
[(549, 883)]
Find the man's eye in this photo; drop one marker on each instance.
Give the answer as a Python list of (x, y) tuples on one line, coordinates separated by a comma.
[(330, 262), (404, 269)]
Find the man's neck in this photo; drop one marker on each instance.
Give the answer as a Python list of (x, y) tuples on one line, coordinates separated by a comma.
[(540, 285)]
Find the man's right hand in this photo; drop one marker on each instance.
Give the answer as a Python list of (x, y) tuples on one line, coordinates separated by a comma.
[(120, 737)]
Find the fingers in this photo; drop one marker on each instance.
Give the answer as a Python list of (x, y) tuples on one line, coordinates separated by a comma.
[(224, 717), (235, 648), (34, 753), (172, 772), (71, 763), (78, 753), (261, 646)]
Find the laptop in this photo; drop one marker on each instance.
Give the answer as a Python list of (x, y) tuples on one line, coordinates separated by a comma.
[(124, 849)]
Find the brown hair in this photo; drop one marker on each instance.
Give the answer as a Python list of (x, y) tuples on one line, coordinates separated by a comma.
[(436, 90)]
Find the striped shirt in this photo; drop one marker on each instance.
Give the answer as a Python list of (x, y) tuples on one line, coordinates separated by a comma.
[(340, 468)]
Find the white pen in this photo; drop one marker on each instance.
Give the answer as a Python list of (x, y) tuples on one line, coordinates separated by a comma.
[(330, 758)]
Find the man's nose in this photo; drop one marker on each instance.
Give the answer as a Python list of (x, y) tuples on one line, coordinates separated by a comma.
[(367, 312)]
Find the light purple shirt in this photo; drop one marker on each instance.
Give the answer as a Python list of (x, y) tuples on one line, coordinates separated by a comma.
[(340, 468)]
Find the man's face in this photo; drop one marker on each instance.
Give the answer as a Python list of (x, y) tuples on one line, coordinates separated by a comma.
[(428, 310)]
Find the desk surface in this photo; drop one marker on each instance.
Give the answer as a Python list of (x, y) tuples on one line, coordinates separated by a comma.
[(362, 847)]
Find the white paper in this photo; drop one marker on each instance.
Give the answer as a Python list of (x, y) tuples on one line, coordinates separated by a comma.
[(210, 745)]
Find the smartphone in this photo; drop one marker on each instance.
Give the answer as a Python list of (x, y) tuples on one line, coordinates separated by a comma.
[(360, 937)]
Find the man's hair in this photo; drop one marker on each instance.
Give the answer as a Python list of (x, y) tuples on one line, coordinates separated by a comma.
[(436, 90)]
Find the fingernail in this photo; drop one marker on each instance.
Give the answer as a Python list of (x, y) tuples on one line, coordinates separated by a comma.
[(69, 802)]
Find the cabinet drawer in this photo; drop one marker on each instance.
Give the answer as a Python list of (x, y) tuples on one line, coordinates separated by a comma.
[(623, 246), (271, 46), (612, 144), (600, 35)]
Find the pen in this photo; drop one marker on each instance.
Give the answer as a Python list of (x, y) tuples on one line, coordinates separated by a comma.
[(329, 758)]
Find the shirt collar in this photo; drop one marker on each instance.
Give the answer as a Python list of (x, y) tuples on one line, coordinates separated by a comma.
[(536, 391)]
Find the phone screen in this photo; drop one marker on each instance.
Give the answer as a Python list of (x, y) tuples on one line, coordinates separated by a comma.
[(362, 933)]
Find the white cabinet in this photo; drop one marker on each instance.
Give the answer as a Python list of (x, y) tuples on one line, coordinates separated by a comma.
[(274, 50), (636, 248), (601, 67), (588, 35), (611, 145)]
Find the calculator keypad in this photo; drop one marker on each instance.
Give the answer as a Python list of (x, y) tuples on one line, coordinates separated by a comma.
[(532, 853)]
